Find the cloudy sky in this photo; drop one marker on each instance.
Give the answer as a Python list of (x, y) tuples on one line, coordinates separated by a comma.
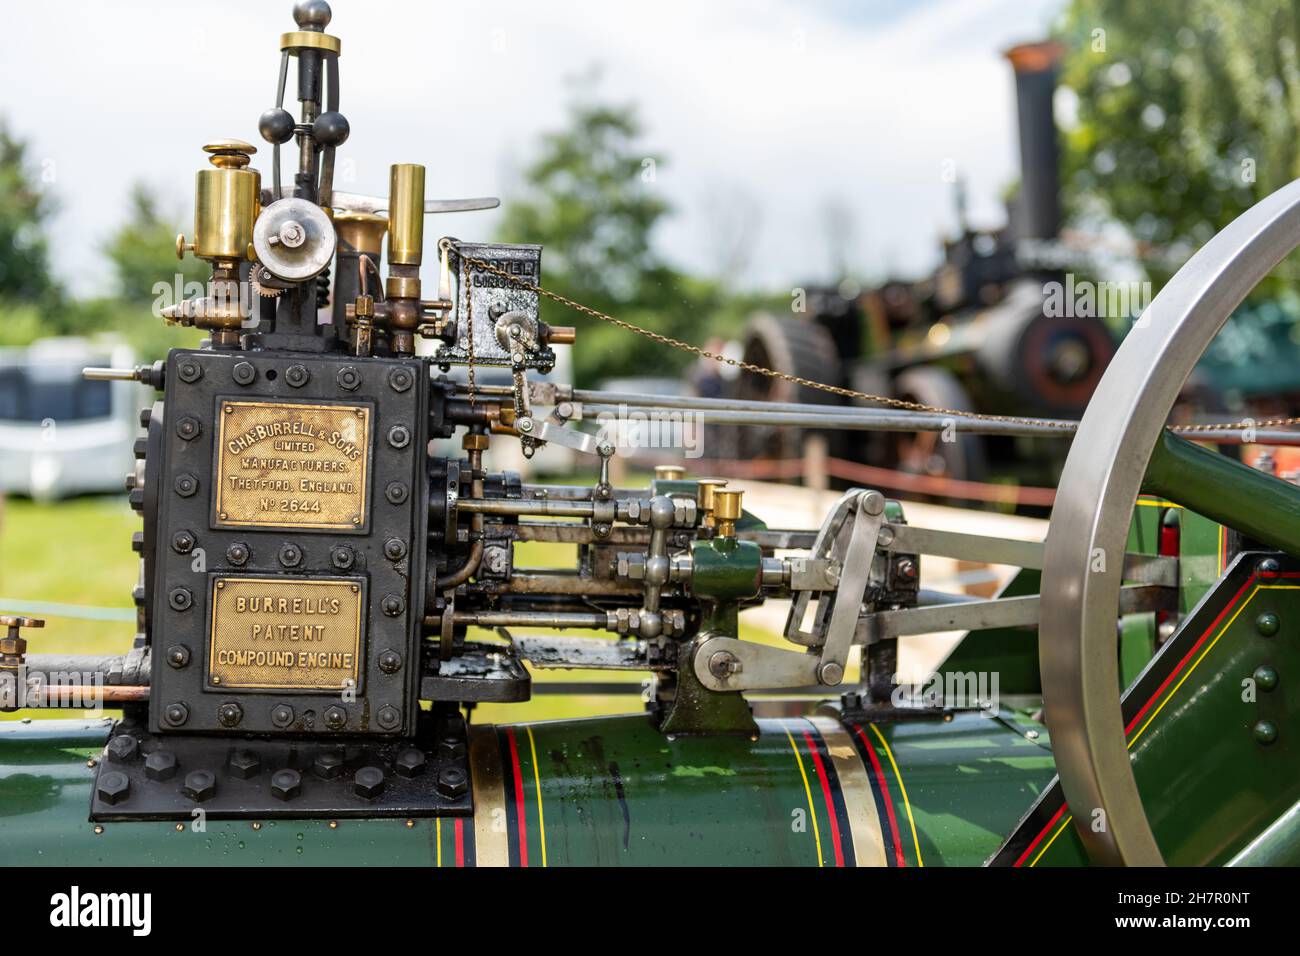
[(769, 112)]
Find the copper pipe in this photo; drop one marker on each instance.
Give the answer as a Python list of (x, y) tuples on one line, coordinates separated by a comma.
[(108, 694), (456, 578)]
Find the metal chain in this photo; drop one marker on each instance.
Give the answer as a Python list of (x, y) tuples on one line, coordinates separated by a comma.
[(469, 326), (886, 400)]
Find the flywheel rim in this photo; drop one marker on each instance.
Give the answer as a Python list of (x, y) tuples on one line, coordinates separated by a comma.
[(1087, 534)]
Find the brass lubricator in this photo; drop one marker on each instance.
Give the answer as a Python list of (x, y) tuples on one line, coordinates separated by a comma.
[(360, 242), (727, 509), (405, 253), (401, 312), (227, 201), (669, 473), (706, 490)]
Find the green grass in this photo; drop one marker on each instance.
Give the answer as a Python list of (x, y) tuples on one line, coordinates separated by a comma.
[(79, 553), (75, 552)]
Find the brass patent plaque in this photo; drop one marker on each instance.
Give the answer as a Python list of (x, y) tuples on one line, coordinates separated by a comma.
[(283, 465), (285, 633)]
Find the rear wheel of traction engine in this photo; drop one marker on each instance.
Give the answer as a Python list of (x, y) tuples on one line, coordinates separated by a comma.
[(1094, 504), (927, 453), (796, 347)]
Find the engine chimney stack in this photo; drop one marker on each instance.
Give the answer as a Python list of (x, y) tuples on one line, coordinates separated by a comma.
[(1039, 207)]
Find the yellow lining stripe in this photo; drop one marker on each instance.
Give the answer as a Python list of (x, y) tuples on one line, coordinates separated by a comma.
[(812, 811), (437, 837), (537, 780), (906, 802), (1059, 831)]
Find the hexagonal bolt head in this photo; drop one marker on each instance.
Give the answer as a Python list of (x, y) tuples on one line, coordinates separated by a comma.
[(390, 662), (245, 764), (410, 762), (189, 372), (286, 784), (399, 436), (243, 373), (452, 782), (180, 599), (342, 557), (112, 787), (393, 605), (186, 485), (200, 785), (336, 718), (160, 765), (290, 555), (328, 764), (237, 554), (394, 549), (396, 492), (183, 542), (123, 748), (176, 714), (189, 428), (230, 714), (451, 748), (297, 375), (368, 782), (282, 715), (389, 717), (348, 378)]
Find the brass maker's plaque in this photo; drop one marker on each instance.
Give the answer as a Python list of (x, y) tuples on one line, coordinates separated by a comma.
[(282, 465), (285, 633)]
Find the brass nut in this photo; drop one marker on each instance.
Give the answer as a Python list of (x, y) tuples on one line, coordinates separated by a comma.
[(473, 442)]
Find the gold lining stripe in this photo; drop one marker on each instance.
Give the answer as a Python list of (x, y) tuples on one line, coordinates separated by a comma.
[(812, 807), (491, 843), (855, 788), (300, 39)]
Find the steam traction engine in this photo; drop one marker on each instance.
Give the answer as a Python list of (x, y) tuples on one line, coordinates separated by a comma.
[(310, 575)]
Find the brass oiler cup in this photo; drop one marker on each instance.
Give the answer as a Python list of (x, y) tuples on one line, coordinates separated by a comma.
[(727, 509), (705, 490), (669, 472), (227, 198)]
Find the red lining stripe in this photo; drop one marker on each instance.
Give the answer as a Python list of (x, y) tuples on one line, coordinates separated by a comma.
[(460, 842), (826, 794), (884, 790), (519, 797), (1039, 839)]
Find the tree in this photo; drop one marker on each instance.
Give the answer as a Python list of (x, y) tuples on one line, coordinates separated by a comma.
[(143, 254), (1187, 114), (143, 250), (591, 198), (25, 207)]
